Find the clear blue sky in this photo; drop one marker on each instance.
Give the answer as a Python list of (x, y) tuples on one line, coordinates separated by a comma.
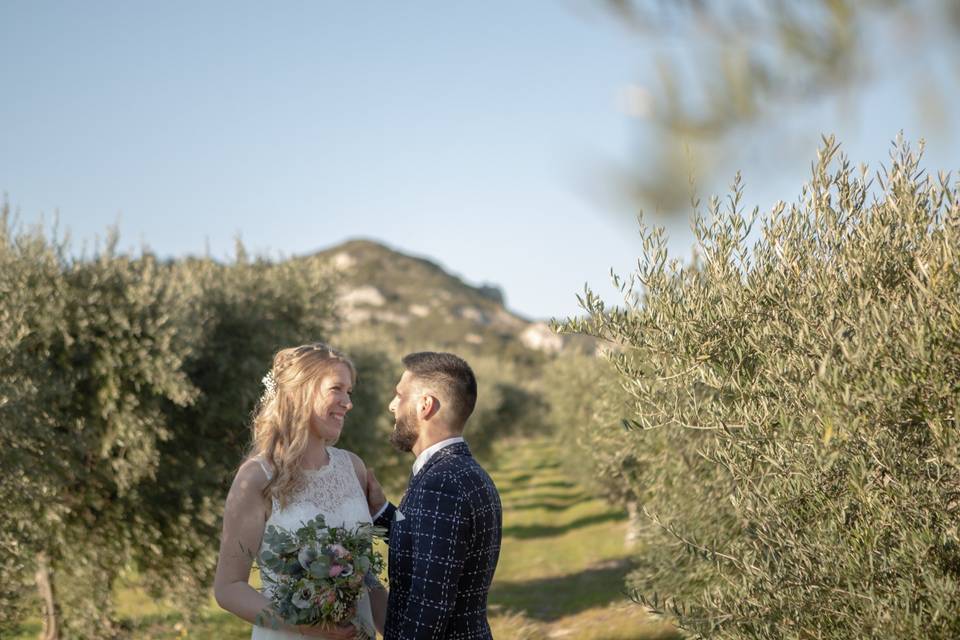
[(472, 133)]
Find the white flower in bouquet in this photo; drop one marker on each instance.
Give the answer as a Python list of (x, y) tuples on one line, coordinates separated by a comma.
[(304, 596)]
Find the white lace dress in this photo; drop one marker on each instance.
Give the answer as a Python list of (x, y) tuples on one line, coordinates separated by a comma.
[(335, 492)]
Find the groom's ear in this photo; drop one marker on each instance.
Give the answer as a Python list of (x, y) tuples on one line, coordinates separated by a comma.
[(428, 406)]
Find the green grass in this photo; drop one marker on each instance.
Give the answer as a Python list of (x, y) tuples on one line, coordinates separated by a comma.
[(563, 561), (561, 570)]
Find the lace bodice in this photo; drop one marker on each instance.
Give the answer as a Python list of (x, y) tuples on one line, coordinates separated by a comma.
[(332, 490)]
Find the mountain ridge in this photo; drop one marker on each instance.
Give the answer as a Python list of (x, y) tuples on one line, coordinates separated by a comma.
[(413, 300)]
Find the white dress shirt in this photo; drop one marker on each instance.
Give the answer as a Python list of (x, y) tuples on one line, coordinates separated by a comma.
[(421, 460)]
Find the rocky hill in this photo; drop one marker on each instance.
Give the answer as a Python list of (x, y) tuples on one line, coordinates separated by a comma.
[(413, 303)]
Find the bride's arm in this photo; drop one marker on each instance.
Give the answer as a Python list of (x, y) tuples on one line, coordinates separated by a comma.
[(376, 500), (378, 594), (359, 468), (244, 518), (378, 605), (368, 482)]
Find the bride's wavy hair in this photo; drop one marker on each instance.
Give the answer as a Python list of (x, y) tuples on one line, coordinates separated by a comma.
[(281, 420)]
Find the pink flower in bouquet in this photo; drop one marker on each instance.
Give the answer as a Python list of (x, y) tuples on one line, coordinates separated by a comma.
[(339, 550), (327, 596), (335, 570)]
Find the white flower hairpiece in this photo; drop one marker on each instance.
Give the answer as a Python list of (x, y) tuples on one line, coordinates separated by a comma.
[(269, 387)]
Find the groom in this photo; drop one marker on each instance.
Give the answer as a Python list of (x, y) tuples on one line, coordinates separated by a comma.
[(444, 537)]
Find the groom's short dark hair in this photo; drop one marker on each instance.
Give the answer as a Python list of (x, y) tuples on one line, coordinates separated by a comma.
[(453, 377)]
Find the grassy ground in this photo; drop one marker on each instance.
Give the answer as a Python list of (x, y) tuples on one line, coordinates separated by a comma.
[(560, 574), (563, 560)]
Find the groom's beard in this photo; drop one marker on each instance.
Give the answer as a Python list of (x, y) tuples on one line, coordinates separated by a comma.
[(405, 434)]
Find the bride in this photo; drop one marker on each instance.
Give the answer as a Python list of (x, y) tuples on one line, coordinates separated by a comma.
[(292, 474)]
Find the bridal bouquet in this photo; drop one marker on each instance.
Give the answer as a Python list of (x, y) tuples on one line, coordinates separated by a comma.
[(316, 573)]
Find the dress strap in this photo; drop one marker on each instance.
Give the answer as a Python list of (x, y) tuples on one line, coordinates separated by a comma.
[(264, 466)]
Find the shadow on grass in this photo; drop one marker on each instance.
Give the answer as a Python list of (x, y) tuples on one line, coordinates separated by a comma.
[(507, 486), (532, 496), (546, 531), (550, 484), (546, 463), (549, 599), (554, 504), (541, 465)]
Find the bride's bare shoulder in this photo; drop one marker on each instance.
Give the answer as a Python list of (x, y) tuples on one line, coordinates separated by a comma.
[(254, 473), (246, 505)]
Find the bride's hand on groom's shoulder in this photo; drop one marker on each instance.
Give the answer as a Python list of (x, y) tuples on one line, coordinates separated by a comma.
[(375, 496)]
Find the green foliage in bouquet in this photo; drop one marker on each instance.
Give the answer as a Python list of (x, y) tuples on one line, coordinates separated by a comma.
[(315, 575), (794, 397)]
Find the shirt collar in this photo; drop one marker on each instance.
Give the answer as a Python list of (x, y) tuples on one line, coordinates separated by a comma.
[(427, 453)]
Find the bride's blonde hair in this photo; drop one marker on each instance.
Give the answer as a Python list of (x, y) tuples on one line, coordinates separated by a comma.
[(281, 421)]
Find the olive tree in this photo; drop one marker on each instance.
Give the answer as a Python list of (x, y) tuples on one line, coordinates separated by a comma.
[(587, 412), (794, 403), (91, 357), (126, 386), (237, 315)]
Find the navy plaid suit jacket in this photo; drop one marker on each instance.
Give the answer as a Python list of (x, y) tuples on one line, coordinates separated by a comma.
[(445, 550)]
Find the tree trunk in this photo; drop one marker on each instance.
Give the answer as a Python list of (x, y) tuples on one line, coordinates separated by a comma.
[(44, 578), (633, 524)]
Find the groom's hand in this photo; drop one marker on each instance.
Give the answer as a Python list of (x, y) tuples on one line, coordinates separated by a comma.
[(328, 632), (375, 496)]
